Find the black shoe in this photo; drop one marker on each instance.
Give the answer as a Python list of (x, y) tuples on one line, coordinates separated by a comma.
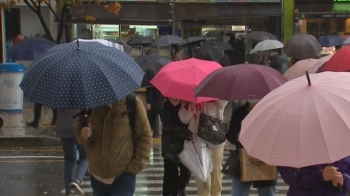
[(76, 184), (182, 193), (32, 124)]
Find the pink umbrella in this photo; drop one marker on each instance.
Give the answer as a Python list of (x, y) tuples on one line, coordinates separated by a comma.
[(299, 125), (299, 68), (179, 79), (320, 63)]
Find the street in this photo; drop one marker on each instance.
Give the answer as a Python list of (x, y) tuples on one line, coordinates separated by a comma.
[(39, 171)]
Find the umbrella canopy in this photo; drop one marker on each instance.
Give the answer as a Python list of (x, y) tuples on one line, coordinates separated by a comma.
[(260, 36), (240, 82), (347, 41), (197, 159), (139, 41), (179, 79), (127, 49), (319, 64), (151, 64), (299, 125), (340, 61), (302, 46), (299, 68), (210, 53), (104, 42), (192, 40), (30, 49), (331, 40), (268, 45), (221, 44), (168, 40), (84, 76)]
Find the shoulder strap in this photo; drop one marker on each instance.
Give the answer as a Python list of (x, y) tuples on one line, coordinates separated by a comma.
[(131, 110)]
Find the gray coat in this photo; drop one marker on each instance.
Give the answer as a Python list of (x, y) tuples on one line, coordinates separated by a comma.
[(65, 123)]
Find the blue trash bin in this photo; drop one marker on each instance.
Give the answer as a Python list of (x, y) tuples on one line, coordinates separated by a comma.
[(11, 95)]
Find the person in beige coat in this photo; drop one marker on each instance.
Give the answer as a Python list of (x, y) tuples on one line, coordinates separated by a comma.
[(189, 114)]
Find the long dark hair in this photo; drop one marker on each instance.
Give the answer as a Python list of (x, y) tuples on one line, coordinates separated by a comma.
[(176, 50)]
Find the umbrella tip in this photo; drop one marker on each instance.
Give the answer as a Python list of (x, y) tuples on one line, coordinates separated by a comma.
[(78, 47), (308, 78)]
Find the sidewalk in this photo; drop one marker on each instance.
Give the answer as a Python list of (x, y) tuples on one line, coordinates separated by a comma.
[(15, 130)]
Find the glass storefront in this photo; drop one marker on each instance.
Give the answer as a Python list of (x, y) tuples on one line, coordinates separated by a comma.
[(324, 26)]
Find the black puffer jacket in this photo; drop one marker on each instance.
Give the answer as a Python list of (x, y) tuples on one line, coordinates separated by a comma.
[(173, 131)]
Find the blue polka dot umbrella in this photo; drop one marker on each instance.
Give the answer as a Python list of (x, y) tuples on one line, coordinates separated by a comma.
[(81, 75)]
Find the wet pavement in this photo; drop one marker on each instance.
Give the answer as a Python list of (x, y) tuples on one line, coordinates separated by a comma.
[(39, 171)]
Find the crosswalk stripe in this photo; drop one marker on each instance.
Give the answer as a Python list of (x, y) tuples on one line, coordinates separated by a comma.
[(150, 181)]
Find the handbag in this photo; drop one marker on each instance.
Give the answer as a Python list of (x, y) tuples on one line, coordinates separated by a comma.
[(232, 166), (212, 129), (253, 169)]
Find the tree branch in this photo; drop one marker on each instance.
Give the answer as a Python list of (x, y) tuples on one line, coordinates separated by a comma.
[(30, 6), (52, 10), (61, 24), (34, 4)]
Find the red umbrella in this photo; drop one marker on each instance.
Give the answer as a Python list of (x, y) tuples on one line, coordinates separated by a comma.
[(179, 79), (340, 61), (240, 82)]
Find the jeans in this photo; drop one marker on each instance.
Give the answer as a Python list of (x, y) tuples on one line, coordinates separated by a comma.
[(70, 157), (172, 181), (123, 185), (240, 188)]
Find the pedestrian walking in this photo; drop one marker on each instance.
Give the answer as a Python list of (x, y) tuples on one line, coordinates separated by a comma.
[(239, 188), (275, 61), (318, 179), (119, 141), (174, 133), (65, 131), (153, 99), (189, 114), (37, 115)]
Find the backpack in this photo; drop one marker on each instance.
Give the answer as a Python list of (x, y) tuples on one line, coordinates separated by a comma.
[(130, 111)]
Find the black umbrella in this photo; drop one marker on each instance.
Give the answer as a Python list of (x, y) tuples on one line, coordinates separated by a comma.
[(210, 53), (168, 40), (260, 36), (222, 44), (302, 46), (139, 41), (151, 64), (192, 40), (127, 49)]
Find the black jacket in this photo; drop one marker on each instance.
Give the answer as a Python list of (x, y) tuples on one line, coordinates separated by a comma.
[(153, 96), (276, 62), (233, 132), (173, 131)]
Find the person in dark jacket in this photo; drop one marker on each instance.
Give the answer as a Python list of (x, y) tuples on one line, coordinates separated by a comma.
[(173, 136), (153, 99), (65, 131), (37, 115), (239, 188), (276, 61), (146, 49), (320, 180)]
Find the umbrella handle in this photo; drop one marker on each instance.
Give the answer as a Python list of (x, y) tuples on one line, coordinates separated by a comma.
[(339, 186), (86, 123)]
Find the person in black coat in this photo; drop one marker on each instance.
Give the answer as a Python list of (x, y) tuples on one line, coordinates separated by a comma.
[(153, 99), (265, 188), (276, 61), (174, 133)]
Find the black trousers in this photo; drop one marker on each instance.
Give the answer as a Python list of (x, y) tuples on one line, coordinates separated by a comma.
[(37, 114), (172, 181)]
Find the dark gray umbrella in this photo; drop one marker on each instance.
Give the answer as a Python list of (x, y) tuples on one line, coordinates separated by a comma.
[(210, 53), (192, 40), (222, 44), (139, 41), (260, 36), (168, 40), (151, 64), (302, 46), (127, 49)]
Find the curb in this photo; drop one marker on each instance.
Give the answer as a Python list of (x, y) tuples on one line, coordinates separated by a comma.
[(29, 141)]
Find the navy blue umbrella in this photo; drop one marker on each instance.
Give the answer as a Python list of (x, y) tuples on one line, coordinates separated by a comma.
[(31, 48), (331, 40), (81, 75)]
